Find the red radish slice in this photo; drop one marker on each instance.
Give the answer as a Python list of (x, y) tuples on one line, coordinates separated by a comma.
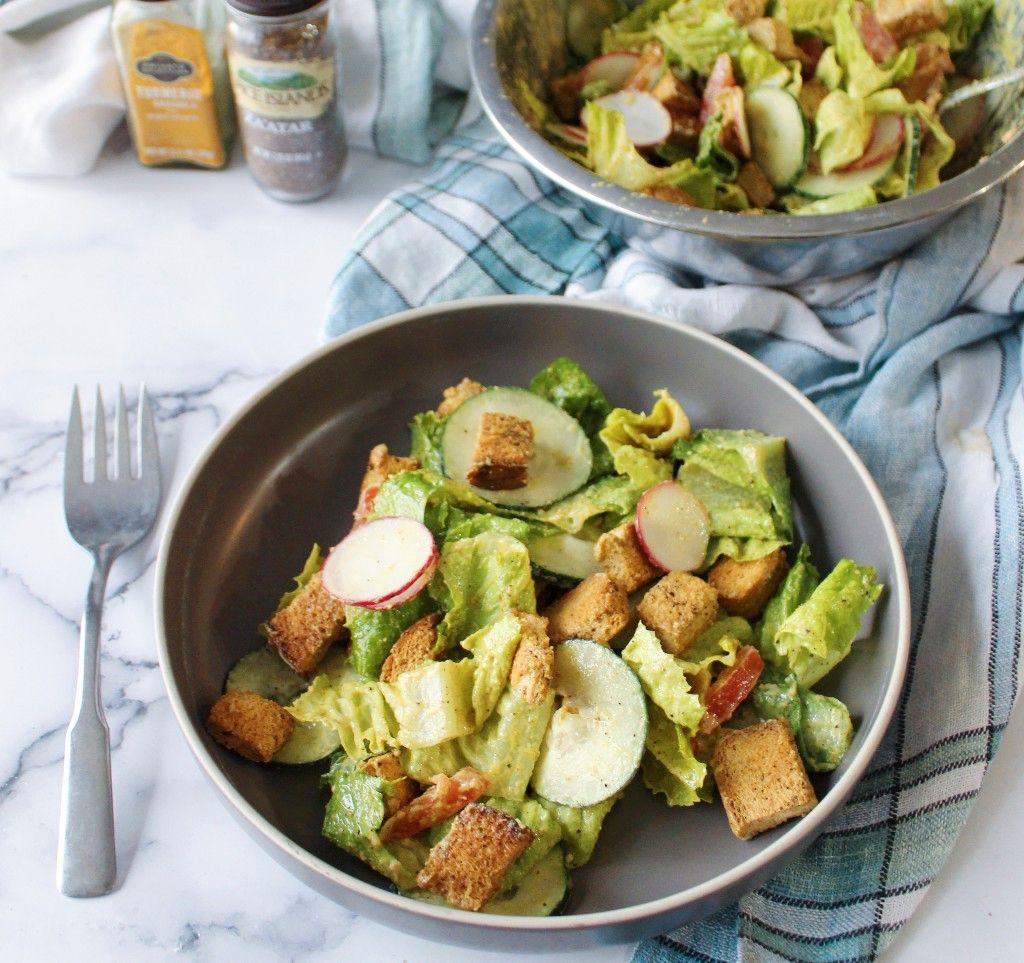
[(720, 78), (672, 527), (615, 68), (886, 138), (381, 564), (647, 121), (568, 132), (735, 135)]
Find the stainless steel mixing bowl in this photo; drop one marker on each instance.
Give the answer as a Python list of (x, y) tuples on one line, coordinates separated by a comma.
[(517, 44)]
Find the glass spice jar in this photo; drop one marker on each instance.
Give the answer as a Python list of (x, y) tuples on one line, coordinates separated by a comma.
[(283, 72)]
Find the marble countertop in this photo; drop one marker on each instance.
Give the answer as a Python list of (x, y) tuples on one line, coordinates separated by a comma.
[(197, 284)]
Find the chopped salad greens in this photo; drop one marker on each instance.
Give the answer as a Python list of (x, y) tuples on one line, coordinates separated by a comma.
[(593, 595), (765, 106)]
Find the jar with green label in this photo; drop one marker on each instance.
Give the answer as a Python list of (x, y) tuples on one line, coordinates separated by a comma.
[(284, 76)]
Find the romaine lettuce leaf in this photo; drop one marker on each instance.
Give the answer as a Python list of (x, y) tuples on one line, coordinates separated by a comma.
[(807, 16), (547, 833), (432, 703), (847, 201), (760, 67), (581, 826), (818, 635), (694, 43), (734, 510), (712, 156), (717, 645), (663, 678), (459, 524), (357, 710), (862, 75), (964, 21), (481, 578), (636, 439), (427, 428), (311, 566), (615, 496), (796, 588), (669, 765), (492, 649), (374, 632), (828, 70), (842, 130)]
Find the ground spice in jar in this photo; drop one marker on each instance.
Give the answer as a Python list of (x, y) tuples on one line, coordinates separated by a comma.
[(284, 77)]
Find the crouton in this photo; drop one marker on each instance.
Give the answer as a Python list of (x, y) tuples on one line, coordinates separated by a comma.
[(401, 790), (671, 193), (533, 665), (744, 587), (250, 725), (304, 630), (743, 11), (761, 778), (456, 394), (597, 609), (380, 466), (812, 93), (776, 37), (907, 18), (468, 865), (926, 81), (412, 648), (677, 609), (504, 444), (619, 553), (755, 184)]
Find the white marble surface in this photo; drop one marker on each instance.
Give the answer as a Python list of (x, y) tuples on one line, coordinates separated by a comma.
[(200, 286)]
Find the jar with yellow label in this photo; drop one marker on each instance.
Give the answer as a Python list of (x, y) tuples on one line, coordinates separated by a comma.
[(171, 59), (281, 57)]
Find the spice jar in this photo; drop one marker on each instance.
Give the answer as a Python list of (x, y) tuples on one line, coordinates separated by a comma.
[(171, 59), (284, 76)]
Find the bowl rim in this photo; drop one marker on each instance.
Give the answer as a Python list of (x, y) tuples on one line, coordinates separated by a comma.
[(946, 198), (803, 830)]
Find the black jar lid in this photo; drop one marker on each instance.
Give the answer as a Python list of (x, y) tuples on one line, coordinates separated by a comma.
[(273, 8)]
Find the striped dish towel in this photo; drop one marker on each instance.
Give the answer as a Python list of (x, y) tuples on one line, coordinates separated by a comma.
[(919, 364)]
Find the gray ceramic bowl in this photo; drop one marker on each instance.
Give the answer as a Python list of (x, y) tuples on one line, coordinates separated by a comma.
[(284, 472), (518, 45)]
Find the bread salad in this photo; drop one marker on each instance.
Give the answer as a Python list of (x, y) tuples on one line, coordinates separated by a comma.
[(548, 599), (761, 106)]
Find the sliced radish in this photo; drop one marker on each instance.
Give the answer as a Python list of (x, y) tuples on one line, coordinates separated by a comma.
[(647, 121), (568, 132), (886, 139), (672, 527), (381, 564), (615, 68), (735, 135), (720, 78)]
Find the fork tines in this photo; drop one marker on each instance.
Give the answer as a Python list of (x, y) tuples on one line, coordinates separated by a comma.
[(147, 443)]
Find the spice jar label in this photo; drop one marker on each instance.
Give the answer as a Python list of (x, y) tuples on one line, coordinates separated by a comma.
[(295, 89), (171, 92)]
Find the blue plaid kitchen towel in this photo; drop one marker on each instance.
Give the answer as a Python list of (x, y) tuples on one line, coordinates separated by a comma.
[(919, 364)]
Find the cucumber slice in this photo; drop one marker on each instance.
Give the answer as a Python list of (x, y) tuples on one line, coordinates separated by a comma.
[(542, 892), (561, 458), (596, 736), (563, 558), (265, 673), (309, 742), (780, 137), (839, 182)]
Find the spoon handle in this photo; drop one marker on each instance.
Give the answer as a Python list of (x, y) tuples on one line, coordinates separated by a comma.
[(981, 87)]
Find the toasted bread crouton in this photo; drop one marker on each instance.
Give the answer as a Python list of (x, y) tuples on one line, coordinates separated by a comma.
[(619, 553), (755, 184), (533, 665), (380, 466), (412, 648), (504, 444), (812, 93), (250, 725), (303, 631), (672, 194), (677, 609), (597, 609), (468, 865), (456, 394), (907, 18), (761, 778), (743, 11), (926, 81), (401, 789), (744, 587), (776, 37)]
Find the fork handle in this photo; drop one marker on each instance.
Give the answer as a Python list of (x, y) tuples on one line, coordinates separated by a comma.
[(86, 862)]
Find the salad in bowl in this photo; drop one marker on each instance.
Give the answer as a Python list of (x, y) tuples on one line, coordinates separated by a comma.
[(549, 599)]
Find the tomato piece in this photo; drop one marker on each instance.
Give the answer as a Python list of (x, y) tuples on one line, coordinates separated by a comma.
[(721, 77), (878, 42), (734, 683), (365, 506), (447, 796)]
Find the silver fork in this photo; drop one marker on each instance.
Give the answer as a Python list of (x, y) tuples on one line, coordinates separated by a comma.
[(105, 516)]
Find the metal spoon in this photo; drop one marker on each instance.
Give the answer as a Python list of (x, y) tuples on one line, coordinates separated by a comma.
[(979, 87)]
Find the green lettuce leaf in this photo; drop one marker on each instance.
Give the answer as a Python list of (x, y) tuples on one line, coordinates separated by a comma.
[(481, 578), (312, 565), (716, 645), (800, 582), (828, 70), (636, 439), (547, 833), (863, 75), (669, 765), (374, 632), (760, 67), (847, 201), (357, 710), (581, 825), (427, 429), (964, 21), (818, 634), (663, 678), (842, 130), (492, 649), (432, 703), (807, 16), (640, 17), (606, 501), (694, 43), (712, 155)]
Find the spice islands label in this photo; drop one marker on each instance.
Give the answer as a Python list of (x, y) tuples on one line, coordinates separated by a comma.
[(171, 92), (286, 90)]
